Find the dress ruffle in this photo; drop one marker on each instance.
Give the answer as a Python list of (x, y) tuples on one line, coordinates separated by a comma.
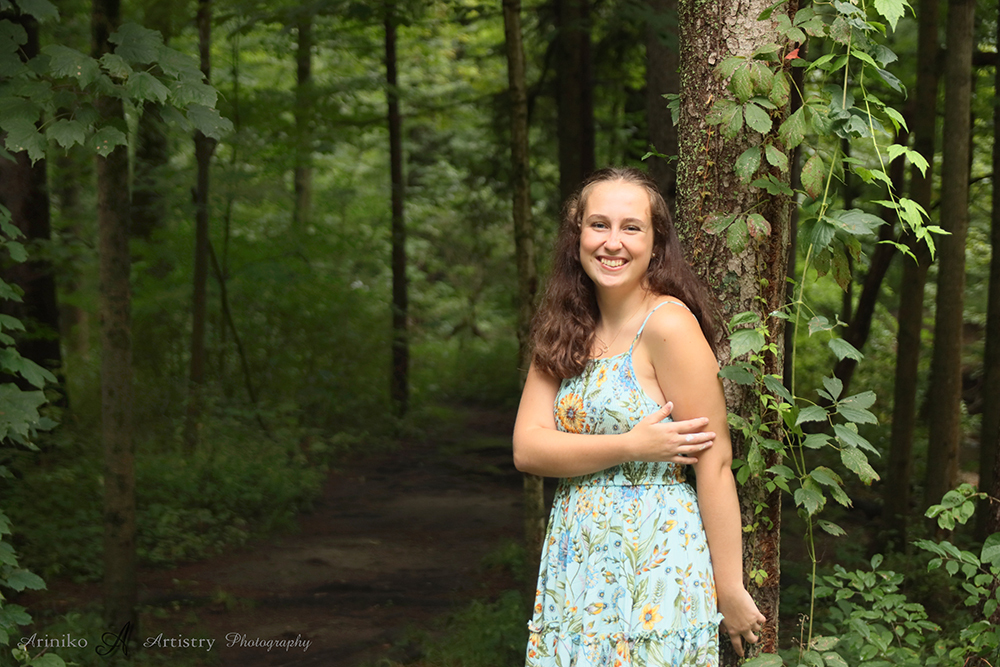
[(695, 646)]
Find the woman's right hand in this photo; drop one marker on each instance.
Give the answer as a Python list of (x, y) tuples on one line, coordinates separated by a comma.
[(671, 442)]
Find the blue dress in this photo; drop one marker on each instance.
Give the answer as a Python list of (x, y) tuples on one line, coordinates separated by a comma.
[(626, 577)]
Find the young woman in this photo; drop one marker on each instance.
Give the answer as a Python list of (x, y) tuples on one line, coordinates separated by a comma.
[(623, 393)]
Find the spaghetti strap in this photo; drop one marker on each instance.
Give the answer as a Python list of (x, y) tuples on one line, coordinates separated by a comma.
[(643, 325)]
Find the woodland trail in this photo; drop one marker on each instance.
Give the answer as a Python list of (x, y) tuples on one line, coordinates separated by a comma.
[(395, 541)]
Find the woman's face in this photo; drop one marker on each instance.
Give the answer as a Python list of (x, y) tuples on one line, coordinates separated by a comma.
[(616, 235)]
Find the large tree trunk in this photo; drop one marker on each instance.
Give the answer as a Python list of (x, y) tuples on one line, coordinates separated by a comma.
[(24, 192), (400, 381), (753, 280), (896, 496), (303, 119), (203, 148), (574, 94), (114, 307), (662, 78), (945, 432), (989, 439), (524, 250)]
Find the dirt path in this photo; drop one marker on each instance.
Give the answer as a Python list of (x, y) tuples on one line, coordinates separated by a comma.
[(396, 540)]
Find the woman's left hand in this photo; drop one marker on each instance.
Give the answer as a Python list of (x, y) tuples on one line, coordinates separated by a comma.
[(742, 620)]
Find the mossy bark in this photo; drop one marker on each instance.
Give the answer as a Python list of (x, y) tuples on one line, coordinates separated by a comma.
[(754, 279)]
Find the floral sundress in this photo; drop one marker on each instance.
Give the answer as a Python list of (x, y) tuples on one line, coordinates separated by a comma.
[(625, 577)]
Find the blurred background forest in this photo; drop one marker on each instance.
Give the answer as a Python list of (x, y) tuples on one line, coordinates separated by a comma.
[(330, 268)]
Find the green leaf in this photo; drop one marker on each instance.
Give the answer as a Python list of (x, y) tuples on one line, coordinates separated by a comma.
[(757, 118), (22, 135), (741, 84), (774, 384), (813, 176), (106, 140), (782, 471), (775, 157), (116, 66), (136, 44), (12, 36), (855, 415), (43, 10), (826, 476), (897, 118), (844, 350), (833, 659), (773, 186), (892, 10), (67, 132), (855, 221), (761, 74), (20, 579), (747, 163), (16, 251), (758, 226), (991, 550), (809, 498), (746, 317), (862, 401), (208, 121), (765, 660), (793, 130), (744, 341), (738, 374), (890, 79), (715, 223), (70, 63), (849, 437), (811, 413), (780, 91), (823, 643), (857, 462), (833, 386), (737, 236), (822, 233), (144, 87), (819, 323)]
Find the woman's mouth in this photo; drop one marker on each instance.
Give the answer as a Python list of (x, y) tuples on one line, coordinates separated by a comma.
[(612, 262)]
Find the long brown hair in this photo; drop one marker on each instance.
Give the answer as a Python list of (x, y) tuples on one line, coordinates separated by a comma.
[(566, 322)]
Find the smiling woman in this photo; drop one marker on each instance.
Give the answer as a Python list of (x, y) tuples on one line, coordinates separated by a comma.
[(623, 393)]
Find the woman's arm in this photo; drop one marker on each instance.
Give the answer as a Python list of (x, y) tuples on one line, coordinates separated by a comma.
[(541, 449), (687, 373)]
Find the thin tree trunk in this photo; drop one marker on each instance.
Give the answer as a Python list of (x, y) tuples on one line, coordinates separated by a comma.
[(662, 78), (945, 432), (896, 497), (524, 250), (987, 520), (203, 148), (24, 192), (574, 94), (114, 307), (754, 280), (788, 335), (303, 119), (400, 382)]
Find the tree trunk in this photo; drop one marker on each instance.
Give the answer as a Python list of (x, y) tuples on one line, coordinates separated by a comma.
[(24, 192), (896, 497), (303, 121), (400, 382), (114, 307), (574, 94), (662, 78), (753, 280), (945, 433), (524, 250), (203, 148), (989, 439)]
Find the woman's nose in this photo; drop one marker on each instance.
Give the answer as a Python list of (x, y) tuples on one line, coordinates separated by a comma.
[(614, 241)]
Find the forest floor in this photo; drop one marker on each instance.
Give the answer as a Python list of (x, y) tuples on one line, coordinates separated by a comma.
[(396, 541)]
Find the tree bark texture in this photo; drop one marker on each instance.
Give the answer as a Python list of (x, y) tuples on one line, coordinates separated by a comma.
[(945, 432), (203, 148), (524, 250), (989, 439), (400, 381), (24, 192), (896, 496), (752, 280), (574, 94), (114, 308), (303, 176), (662, 78)]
